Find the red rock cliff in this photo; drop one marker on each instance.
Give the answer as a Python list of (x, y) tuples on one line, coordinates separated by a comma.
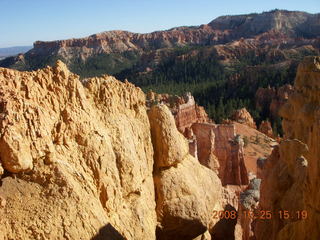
[(221, 141)]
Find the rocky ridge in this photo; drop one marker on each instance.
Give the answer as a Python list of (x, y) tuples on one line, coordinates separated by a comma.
[(218, 30), (232, 36)]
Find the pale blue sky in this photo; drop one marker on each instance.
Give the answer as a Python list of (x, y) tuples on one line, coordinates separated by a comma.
[(24, 21)]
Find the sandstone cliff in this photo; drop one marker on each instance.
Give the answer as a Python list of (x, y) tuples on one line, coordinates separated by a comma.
[(231, 150), (220, 29), (77, 160), (222, 142), (290, 176)]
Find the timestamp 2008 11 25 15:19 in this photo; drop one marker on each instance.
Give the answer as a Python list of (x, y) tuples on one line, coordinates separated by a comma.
[(262, 214)]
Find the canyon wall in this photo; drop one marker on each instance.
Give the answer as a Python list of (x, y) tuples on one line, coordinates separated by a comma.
[(222, 29), (231, 150), (220, 141), (290, 176)]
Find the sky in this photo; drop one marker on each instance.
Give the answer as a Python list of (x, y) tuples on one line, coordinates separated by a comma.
[(23, 22)]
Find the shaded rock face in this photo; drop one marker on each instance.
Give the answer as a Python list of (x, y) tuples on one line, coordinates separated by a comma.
[(243, 116), (281, 98), (290, 176), (264, 97), (221, 150), (77, 160), (187, 193), (271, 99)]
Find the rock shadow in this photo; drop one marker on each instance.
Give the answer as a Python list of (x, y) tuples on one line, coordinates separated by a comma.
[(224, 229), (108, 232)]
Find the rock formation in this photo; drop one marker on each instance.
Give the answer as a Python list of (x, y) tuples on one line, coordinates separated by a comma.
[(221, 150), (219, 147), (264, 96), (243, 116), (187, 193), (184, 109), (280, 99), (76, 159), (212, 144), (231, 150), (265, 128), (271, 99), (257, 145), (77, 162), (290, 176)]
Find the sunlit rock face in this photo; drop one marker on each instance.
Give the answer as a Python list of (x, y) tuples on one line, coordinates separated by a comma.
[(290, 176), (76, 160), (83, 160)]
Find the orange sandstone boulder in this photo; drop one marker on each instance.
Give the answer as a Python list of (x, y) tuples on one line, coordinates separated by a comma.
[(187, 193)]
